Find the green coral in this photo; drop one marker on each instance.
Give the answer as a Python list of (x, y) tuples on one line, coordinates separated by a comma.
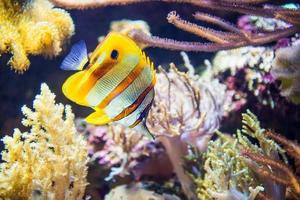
[(251, 128), (226, 171)]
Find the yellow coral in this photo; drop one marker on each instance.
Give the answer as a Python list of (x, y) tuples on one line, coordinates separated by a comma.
[(32, 27), (49, 162)]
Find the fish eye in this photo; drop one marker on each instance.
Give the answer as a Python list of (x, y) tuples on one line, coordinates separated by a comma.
[(114, 54)]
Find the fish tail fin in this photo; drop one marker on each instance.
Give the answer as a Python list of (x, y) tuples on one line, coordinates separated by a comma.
[(141, 127), (99, 117), (77, 57), (71, 88)]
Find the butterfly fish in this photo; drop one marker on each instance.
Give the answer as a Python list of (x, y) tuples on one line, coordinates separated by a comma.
[(118, 82)]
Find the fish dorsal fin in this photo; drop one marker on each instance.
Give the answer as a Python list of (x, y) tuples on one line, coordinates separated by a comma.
[(147, 60), (77, 57)]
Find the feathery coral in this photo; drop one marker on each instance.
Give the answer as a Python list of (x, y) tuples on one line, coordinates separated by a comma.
[(49, 162), (292, 148), (265, 160), (32, 27), (228, 174)]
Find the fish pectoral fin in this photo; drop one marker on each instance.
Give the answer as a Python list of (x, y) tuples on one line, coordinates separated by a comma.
[(98, 117)]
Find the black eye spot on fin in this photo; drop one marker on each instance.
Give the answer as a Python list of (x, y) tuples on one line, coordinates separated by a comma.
[(114, 54)]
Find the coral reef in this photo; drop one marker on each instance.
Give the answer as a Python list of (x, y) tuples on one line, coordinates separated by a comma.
[(136, 192), (186, 105), (60, 157), (226, 175), (120, 150), (32, 27), (127, 26), (233, 37), (239, 168), (254, 24), (50, 161), (186, 110), (118, 153), (192, 117), (251, 73), (286, 68), (246, 70)]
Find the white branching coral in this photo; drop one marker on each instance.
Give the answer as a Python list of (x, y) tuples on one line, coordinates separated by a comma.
[(253, 57), (187, 106), (49, 161), (136, 192), (124, 140)]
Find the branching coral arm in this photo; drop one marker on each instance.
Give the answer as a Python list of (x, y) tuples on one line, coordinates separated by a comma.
[(166, 43), (220, 40), (273, 36), (210, 34), (217, 21), (287, 177), (292, 148), (228, 5), (245, 1), (220, 5)]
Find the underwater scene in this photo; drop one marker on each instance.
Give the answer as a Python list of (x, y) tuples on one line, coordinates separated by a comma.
[(150, 99)]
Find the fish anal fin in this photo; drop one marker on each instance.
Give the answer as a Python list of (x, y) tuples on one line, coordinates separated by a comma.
[(141, 127), (99, 117)]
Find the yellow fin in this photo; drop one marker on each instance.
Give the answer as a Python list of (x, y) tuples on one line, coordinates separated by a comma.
[(99, 117), (71, 88)]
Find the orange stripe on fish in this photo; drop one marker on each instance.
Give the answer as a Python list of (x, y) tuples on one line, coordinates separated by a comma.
[(127, 111), (93, 77), (122, 86)]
